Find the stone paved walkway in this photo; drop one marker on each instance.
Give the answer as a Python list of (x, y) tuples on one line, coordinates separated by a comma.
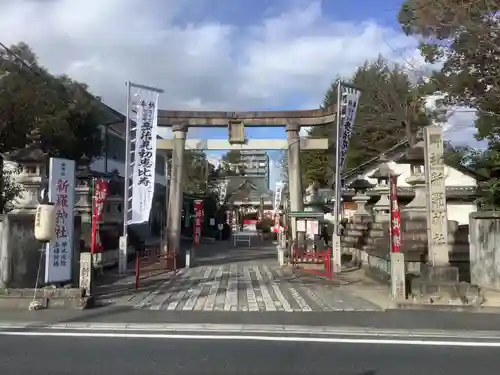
[(244, 287)]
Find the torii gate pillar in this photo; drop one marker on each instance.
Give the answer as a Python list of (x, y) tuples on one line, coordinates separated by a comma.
[(294, 175), (175, 198)]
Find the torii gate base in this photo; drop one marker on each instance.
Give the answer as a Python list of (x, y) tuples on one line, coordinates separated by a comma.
[(180, 121)]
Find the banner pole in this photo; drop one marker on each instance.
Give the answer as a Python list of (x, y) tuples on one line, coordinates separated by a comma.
[(94, 219), (336, 253), (122, 259)]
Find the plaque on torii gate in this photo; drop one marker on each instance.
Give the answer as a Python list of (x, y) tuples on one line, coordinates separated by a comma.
[(236, 132)]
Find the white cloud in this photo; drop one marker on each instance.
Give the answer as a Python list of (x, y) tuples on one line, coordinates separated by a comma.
[(199, 65), (288, 57)]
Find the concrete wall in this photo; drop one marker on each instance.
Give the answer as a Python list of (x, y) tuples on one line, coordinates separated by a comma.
[(20, 252), (485, 249)]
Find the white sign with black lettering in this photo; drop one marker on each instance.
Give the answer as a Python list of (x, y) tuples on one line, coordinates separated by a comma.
[(144, 163)]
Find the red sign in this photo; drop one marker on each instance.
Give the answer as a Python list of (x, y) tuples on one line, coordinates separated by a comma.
[(101, 188), (277, 223), (395, 216), (198, 221)]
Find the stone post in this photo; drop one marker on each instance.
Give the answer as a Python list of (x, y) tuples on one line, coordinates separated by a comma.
[(176, 185), (437, 219), (294, 176), (5, 253), (484, 250)]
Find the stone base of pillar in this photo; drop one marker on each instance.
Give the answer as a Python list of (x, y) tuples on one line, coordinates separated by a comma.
[(189, 258), (336, 254), (398, 277), (281, 256), (440, 285), (439, 273)]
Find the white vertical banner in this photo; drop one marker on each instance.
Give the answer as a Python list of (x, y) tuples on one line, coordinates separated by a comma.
[(347, 106), (59, 252), (223, 191), (277, 196), (144, 155)]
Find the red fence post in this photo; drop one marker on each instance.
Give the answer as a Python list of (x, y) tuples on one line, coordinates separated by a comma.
[(328, 263)]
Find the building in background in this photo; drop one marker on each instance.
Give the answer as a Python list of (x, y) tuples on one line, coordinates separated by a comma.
[(113, 157), (255, 164)]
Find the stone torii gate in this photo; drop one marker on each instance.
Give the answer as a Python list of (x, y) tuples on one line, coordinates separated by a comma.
[(236, 122)]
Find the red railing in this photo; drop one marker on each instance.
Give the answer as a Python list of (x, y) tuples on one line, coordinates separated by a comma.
[(303, 256), (153, 262), (249, 221)]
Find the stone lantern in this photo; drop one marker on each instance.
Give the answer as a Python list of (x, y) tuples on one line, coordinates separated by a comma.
[(83, 197), (415, 157), (83, 191), (382, 208), (360, 187), (32, 168)]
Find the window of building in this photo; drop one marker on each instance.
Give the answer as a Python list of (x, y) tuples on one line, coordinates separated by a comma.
[(115, 147)]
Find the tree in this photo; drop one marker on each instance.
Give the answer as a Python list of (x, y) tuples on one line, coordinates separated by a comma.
[(465, 37), (67, 116), (197, 171), (282, 162), (391, 108), (231, 163)]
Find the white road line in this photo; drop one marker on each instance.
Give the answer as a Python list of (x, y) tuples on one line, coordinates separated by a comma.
[(221, 297), (326, 340), (266, 296), (281, 297), (316, 298), (212, 294), (231, 302), (250, 292), (177, 297), (158, 302), (202, 299), (195, 291), (298, 298), (207, 272), (151, 296)]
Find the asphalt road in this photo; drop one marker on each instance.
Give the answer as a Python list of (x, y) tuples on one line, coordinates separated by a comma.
[(36, 355)]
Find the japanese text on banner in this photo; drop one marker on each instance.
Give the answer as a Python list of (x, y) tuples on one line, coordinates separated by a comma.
[(99, 198), (395, 216), (144, 165), (198, 221), (350, 101)]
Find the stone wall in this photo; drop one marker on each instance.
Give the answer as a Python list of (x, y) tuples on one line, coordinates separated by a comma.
[(20, 252), (485, 249), (366, 244)]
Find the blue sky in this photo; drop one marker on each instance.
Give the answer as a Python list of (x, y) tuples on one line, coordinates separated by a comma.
[(214, 54)]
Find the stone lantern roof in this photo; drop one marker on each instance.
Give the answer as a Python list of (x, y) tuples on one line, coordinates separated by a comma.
[(361, 184), (383, 172), (413, 155), (33, 151)]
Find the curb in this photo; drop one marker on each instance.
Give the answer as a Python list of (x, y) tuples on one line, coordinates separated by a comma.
[(448, 308), (249, 328)]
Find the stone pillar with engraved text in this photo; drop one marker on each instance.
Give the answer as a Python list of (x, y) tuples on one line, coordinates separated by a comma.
[(437, 218)]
